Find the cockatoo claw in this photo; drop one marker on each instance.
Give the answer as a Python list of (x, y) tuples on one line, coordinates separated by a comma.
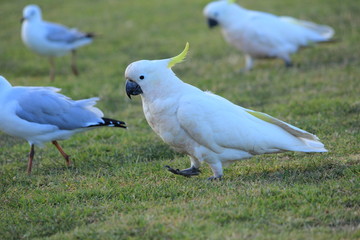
[(213, 178), (288, 64), (189, 172)]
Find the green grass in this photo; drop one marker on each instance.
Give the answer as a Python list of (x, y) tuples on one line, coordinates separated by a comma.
[(118, 188)]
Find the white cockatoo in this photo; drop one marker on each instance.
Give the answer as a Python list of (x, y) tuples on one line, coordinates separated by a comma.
[(205, 126), (41, 114), (263, 35), (51, 39)]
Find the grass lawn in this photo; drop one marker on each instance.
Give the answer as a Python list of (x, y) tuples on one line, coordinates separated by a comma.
[(118, 188)]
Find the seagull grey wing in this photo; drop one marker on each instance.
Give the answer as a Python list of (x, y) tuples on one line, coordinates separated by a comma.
[(61, 33), (46, 106)]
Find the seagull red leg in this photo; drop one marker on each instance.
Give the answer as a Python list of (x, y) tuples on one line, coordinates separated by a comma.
[(67, 157), (31, 157)]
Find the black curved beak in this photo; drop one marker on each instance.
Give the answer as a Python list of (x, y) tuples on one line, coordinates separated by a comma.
[(22, 19), (212, 22), (132, 88)]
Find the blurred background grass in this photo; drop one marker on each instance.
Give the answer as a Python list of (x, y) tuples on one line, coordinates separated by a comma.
[(118, 189)]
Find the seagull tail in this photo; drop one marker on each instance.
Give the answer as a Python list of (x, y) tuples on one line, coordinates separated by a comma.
[(325, 31), (108, 122)]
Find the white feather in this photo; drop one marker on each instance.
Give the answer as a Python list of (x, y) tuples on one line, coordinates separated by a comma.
[(40, 114), (264, 35), (47, 38), (208, 127)]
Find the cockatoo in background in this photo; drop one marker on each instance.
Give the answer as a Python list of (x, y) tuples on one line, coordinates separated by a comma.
[(263, 35), (51, 39), (205, 126)]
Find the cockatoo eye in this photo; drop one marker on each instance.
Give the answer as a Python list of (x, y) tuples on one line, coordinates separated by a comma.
[(142, 77)]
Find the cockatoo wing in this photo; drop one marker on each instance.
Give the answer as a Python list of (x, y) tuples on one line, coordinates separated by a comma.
[(218, 124), (271, 34), (324, 30), (309, 139)]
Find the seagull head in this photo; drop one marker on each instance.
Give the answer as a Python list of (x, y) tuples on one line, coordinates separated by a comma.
[(31, 12), (144, 75)]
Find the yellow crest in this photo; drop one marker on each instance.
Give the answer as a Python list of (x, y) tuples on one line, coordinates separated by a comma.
[(179, 57), (231, 1)]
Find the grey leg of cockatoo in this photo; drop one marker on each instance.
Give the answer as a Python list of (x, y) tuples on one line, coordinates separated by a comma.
[(217, 170), (73, 63), (52, 68), (288, 64), (188, 172), (249, 63), (195, 162)]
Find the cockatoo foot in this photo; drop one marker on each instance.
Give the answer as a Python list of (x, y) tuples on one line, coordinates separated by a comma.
[(244, 70), (213, 178), (288, 64), (189, 172)]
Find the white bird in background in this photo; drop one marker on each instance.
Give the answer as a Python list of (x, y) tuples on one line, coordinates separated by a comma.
[(264, 35), (205, 126), (51, 39), (40, 114)]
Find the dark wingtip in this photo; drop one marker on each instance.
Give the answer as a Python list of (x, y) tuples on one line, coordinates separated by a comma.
[(90, 35), (108, 122), (116, 123)]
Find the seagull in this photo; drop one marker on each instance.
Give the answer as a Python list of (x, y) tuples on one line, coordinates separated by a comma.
[(41, 114), (51, 39)]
